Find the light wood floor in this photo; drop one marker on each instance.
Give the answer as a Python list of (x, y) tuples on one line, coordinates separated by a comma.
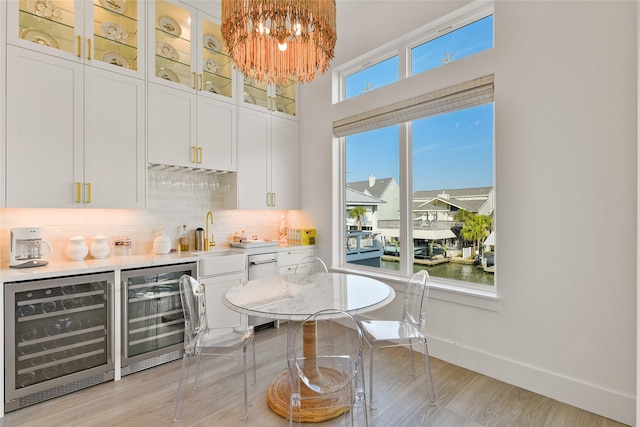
[(147, 398)]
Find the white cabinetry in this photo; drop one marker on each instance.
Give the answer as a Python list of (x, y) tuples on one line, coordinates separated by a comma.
[(192, 111), (75, 134), (268, 161), (218, 315), (189, 130), (103, 34), (288, 260)]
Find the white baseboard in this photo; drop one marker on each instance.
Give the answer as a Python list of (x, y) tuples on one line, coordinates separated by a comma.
[(590, 397)]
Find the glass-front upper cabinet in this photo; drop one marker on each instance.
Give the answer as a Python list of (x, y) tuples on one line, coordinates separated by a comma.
[(188, 52), (278, 98), (102, 33)]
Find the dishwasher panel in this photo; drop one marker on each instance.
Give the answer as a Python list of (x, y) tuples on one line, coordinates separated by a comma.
[(260, 266)]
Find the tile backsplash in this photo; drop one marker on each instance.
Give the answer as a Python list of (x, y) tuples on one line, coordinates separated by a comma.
[(167, 206)]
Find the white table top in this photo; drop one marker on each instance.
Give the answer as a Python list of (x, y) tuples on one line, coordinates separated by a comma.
[(294, 297)]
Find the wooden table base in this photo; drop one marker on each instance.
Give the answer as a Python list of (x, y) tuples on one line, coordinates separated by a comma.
[(311, 411)]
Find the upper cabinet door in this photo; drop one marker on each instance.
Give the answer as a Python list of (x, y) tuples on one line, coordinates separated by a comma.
[(114, 33), (215, 70), (187, 52), (102, 33), (171, 49), (55, 27), (279, 99)]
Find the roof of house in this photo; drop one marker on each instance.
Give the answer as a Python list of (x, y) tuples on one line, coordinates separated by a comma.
[(377, 190), (354, 197), (455, 193)]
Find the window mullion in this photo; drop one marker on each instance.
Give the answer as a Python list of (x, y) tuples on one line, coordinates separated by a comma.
[(406, 198)]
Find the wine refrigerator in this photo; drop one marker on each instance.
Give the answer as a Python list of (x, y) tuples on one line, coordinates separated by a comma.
[(58, 337)]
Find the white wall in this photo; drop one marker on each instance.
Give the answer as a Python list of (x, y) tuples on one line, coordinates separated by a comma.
[(566, 191)]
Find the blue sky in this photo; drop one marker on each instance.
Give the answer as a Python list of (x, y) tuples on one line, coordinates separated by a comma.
[(452, 150)]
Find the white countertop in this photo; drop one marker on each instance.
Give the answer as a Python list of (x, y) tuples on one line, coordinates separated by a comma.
[(88, 266)]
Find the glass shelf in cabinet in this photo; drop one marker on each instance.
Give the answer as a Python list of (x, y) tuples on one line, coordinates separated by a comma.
[(101, 10), (45, 31), (160, 33)]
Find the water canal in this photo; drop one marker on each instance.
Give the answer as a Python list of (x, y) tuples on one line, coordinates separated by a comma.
[(449, 270)]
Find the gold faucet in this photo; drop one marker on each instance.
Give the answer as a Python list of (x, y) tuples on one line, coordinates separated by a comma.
[(208, 243)]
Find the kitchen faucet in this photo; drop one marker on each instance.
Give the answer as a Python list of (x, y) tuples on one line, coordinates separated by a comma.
[(208, 243)]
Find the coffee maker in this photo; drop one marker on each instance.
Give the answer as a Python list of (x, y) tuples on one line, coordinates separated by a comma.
[(28, 248)]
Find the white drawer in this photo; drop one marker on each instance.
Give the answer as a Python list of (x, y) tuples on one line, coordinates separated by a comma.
[(294, 256)]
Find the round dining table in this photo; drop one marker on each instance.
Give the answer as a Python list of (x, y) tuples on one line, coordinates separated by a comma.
[(294, 297)]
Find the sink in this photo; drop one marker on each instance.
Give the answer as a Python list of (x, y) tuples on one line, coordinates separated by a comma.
[(220, 262)]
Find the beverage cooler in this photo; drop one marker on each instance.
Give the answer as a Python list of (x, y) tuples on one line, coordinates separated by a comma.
[(57, 337), (152, 318)]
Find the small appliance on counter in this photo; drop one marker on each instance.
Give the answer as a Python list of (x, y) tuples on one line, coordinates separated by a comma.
[(28, 248)]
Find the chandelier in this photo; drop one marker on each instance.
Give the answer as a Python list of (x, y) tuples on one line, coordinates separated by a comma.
[(276, 40)]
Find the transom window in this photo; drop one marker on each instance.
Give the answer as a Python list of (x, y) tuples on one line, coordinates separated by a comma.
[(435, 46)]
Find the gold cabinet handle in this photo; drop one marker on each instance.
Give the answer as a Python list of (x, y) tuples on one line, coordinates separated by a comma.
[(88, 192), (201, 82), (79, 191), (273, 199), (79, 46), (89, 49), (268, 199), (200, 152), (193, 155), (194, 79)]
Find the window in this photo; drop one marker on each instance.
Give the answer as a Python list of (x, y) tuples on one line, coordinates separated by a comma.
[(371, 77), (468, 32), (419, 173), (452, 165), (449, 214), (456, 44)]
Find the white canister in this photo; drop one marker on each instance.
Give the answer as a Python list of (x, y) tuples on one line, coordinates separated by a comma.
[(77, 248), (99, 247), (162, 244)]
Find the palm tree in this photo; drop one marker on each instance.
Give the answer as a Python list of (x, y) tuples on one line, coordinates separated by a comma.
[(357, 212), (476, 227)]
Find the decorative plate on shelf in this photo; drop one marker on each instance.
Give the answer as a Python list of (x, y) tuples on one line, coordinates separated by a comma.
[(167, 51), (248, 98), (44, 9), (118, 6), (211, 66), (114, 58), (113, 31), (167, 74), (212, 87), (211, 42), (39, 37), (169, 25), (280, 90)]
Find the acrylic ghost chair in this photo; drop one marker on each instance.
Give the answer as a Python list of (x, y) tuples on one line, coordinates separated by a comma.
[(202, 340), (311, 264), (406, 331), (325, 369)]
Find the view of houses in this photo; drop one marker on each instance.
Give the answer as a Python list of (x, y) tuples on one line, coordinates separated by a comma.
[(449, 225)]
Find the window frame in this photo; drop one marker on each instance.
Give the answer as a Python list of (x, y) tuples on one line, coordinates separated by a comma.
[(466, 293)]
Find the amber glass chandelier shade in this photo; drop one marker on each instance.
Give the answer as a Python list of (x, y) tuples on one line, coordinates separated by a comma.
[(276, 40)]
